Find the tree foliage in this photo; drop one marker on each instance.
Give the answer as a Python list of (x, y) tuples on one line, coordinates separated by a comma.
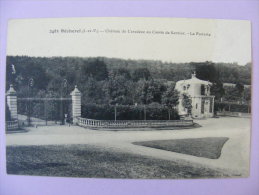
[(206, 71), (217, 90), (187, 103), (110, 81), (170, 98), (235, 93)]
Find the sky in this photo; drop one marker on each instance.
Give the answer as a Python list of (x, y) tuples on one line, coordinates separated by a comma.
[(165, 39)]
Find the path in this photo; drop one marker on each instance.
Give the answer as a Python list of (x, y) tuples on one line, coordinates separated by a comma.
[(235, 153)]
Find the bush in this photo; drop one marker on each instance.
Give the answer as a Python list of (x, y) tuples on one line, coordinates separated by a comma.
[(127, 112), (219, 106)]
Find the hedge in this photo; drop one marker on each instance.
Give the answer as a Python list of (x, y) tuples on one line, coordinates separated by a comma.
[(244, 108), (97, 111), (127, 112)]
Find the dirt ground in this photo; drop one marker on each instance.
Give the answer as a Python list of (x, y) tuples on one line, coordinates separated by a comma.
[(234, 157)]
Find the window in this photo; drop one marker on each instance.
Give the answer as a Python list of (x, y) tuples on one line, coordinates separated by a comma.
[(202, 90), (196, 106)]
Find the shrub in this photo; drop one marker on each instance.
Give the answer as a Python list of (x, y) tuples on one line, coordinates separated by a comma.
[(232, 107), (127, 112)]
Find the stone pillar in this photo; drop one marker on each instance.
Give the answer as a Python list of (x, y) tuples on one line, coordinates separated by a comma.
[(76, 104), (11, 98)]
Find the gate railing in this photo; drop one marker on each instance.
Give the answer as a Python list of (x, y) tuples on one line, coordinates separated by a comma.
[(92, 123), (11, 125), (43, 110), (40, 111), (234, 114)]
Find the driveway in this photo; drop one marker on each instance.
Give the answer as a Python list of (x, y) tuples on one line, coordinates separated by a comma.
[(234, 157)]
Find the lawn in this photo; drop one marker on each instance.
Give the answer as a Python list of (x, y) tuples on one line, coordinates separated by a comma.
[(208, 147), (89, 161)]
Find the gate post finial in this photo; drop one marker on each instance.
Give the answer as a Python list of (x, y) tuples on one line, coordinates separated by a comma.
[(11, 99), (76, 104)]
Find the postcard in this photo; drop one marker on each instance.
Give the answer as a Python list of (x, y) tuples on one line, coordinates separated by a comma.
[(134, 98)]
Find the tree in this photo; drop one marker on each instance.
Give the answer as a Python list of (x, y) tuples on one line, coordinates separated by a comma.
[(170, 99), (141, 95), (92, 91), (123, 72), (149, 91), (159, 88), (234, 93), (217, 90), (117, 89), (206, 71), (247, 94), (141, 73), (240, 88), (231, 94), (49, 109), (95, 68), (187, 103)]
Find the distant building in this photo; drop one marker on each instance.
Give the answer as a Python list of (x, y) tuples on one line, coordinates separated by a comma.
[(199, 92)]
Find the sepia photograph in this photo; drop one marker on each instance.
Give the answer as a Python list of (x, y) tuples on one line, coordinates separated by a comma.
[(133, 98)]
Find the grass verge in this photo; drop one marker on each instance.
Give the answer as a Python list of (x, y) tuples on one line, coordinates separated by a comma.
[(208, 147), (89, 161)]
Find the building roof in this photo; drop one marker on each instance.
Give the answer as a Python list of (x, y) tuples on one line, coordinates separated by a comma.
[(194, 80), (11, 91), (75, 92)]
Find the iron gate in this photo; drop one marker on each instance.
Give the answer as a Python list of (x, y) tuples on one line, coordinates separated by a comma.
[(44, 111)]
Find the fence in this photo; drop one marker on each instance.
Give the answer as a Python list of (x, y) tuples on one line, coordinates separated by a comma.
[(43, 111), (38, 110), (11, 125), (232, 107), (234, 114), (91, 123)]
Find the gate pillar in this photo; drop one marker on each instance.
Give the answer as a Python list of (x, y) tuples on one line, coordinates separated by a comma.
[(76, 104), (11, 98)]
